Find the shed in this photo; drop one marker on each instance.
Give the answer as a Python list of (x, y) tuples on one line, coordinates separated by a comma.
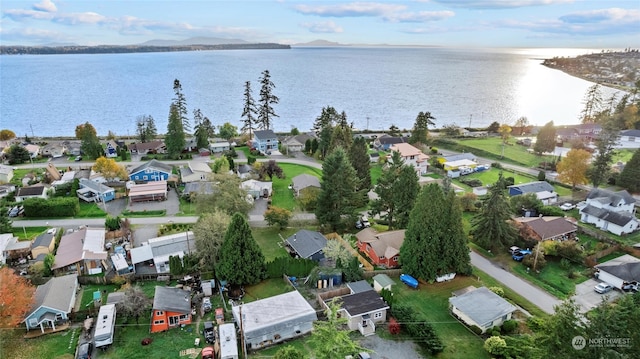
[(359, 286), (382, 281), (482, 308)]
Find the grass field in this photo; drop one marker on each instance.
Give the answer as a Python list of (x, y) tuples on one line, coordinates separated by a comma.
[(512, 152), (553, 278), (490, 177), (27, 233), (282, 196), (90, 210), (270, 240), (61, 345)]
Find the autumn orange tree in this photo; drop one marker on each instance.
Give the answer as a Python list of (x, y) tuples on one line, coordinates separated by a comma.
[(505, 132), (573, 168), (16, 297), (110, 169)]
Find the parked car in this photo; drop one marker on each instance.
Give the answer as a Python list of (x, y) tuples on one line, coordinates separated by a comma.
[(13, 212), (514, 249), (603, 288), (363, 222), (85, 350), (209, 333), (206, 304), (630, 287), (363, 355), (520, 254), (567, 206), (208, 353)]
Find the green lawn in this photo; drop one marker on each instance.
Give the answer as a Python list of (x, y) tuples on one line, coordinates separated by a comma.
[(245, 150), (91, 210), (282, 196), (490, 177), (493, 146), (376, 172), (270, 241), (88, 290), (265, 289), (554, 279), (61, 345), (27, 233)]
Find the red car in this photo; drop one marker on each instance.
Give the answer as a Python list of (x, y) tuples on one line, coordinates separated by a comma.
[(208, 353)]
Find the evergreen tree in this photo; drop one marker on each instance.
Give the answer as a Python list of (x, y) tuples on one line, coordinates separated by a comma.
[(420, 129), (241, 260), (249, 111), (491, 227), (89, 142), (181, 105), (546, 139), (146, 128), (435, 243), (6, 224), (394, 131), (323, 126), (592, 104), (175, 139), (605, 150), (337, 197), (385, 204), (405, 191), (559, 330), (267, 99), (359, 159), (203, 129), (630, 176)]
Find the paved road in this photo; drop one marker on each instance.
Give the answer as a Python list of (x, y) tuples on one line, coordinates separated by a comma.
[(537, 296)]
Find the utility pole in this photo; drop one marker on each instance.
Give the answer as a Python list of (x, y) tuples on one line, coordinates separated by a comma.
[(470, 117), (367, 123)]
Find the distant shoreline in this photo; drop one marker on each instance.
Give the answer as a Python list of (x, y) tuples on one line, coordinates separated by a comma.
[(114, 49)]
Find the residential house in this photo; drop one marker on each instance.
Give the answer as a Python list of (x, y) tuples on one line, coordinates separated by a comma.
[(296, 143), (457, 157), (153, 170), (412, 157), (481, 308), (158, 250), (111, 149), (6, 189), (275, 319), (43, 245), (619, 271), (244, 171), (12, 248), (171, 308), (382, 248), (73, 147), (384, 142), (219, 145), (66, 177), (307, 244), (194, 188), (190, 144), (81, 251), (5, 239), (382, 281), (303, 182), (52, 172), (36, 191), (363, 310), (151, 191), (54, 150), (610, 211), (257, 188), (629, 139), (53, 302), (265, 141), (466, 133), (459, 164), (6, 174), (374, 157), (195, 171), (34, 150), (143, 148), (91, 191), (542, 189), (547, 228)]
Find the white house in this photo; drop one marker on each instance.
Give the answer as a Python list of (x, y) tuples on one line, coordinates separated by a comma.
[(629, 139), (158, 250), (6, 174), (412, 157), (610, 211), (195, 171), (481, 307), (619, 271), (543, 190)]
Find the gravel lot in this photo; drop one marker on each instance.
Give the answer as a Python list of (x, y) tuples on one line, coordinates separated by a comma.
[(390, 349)]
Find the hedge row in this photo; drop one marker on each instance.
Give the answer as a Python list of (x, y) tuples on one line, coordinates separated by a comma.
[(296, 267), (418, 327), (53, 207)]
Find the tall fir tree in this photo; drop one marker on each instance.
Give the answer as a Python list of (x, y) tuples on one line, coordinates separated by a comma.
[(405, 191), (266, 113), (180, 103), (359, 159), (249, 111), (385, 204), (420, 129), (605, 150), (241, 260), (203, 129), (338, 197), (491, 226), (175, 139), (323, 126), (434, 242), (630, 176), (593, 104)]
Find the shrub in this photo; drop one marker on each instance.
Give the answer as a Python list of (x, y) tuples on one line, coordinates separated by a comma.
[(112, 223), (565, 264), (509, 326), (573, 274), (497, 290), (495, 345), (434, 150), (476, 329), (535, 323), (251, 160), (495, 331), (472, 182), (497, 165), (509, 181), (542, 175), (394, 326)]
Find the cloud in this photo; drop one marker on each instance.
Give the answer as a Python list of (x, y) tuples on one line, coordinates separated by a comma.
[(355, 9), (499, 4), (421, 16), (46, 6), (81, 18), (613, 15), (21, 14), (30, 34), (326, 27)]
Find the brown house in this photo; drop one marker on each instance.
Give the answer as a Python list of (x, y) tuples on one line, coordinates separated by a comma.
[(382, 248), (546, 228)]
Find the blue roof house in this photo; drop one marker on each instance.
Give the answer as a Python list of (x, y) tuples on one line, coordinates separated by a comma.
[(91, 191), (151, 171), (265, 141)]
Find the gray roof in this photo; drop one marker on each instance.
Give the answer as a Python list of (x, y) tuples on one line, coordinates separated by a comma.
[(359, 286), (389, 140), (461, 156), (618, 218), (244, 168), (626, 267), (154, 165), (35, 190), (482, 305), (57, 293), (383, 280), (305, 180), (632, 133), (307, 243), (534, 187), (43, 240), (95, 187), (613, 198), (283, 308), (172, 299), (264, 134), (362, 303), (115, 297), (198, 187)]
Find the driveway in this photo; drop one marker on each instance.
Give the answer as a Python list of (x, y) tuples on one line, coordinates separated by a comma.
[(535, 295), (171, 205), (587, 298), (390, 349)]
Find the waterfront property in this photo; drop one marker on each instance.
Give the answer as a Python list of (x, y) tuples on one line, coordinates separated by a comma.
[(54, 300), (171, 308), (412, 157)]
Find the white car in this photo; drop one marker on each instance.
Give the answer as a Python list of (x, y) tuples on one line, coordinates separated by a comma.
[(603, 288), (567, 206)]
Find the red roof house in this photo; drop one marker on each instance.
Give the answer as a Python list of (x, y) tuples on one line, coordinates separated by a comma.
[(382, 248)]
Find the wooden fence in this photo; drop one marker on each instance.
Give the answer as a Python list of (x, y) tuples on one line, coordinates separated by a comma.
[(365, 263), (592, 260)]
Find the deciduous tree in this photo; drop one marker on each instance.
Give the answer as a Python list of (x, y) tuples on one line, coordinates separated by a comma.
[(522, 125), (89, 142), (505, 132), (249, 111), (491, 226), (493, 127), (276, 216), (420, 129), (175, 139), (434, 242), (228, 131), (270, 169), (330, 339), (573, 168), (630, 176), (135, 304), (209, 232), (337, 197), (7, 135), (227, 196), (110, 169), (266, 113), (241, 260), (289, 352), (16, 297), (546, 139)]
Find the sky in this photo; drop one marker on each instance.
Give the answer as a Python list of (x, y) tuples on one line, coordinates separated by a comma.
[(605, 24)]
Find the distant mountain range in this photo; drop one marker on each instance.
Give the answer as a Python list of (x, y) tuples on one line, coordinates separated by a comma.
[(193, 41)]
